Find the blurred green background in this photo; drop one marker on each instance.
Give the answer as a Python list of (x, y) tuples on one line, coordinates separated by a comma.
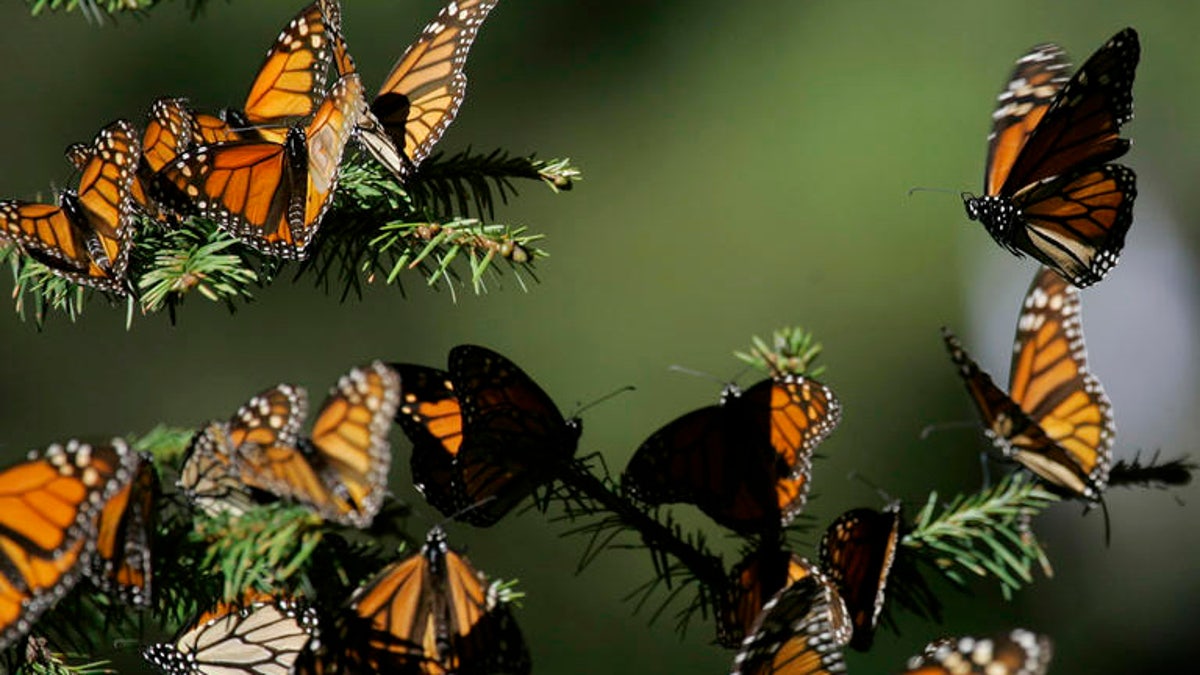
[(746, 167)]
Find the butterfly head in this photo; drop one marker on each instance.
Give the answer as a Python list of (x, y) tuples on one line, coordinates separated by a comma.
[(730, 392), (996, 213)]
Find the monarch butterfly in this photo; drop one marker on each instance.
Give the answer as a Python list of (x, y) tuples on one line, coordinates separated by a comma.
[(857, 552), (484, 435), (421, 95), (1018, 652), (793, 634), (289, 85), (745, 462), (340, 471), (168, 133), (271, 195), (431, 613), (1056, 420), (86, 238), (260, 634), (761, 575), (123, 564), (48, 510), (1047, 189)]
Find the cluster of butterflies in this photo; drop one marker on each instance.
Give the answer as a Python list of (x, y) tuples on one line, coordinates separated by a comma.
[(265, 173)]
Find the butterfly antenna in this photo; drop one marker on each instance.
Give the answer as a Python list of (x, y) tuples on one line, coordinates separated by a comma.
[(1107, 524), (579, 410), (983, 469), (854, 475), (929, 189), (696, 373), (929, 429)]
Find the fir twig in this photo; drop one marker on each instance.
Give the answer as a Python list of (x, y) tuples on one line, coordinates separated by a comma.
[(39, 659), (985, 534), (1152, 474), (792, 350)]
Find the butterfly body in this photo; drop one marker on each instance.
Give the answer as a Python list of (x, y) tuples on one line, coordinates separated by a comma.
[(1049, 189)]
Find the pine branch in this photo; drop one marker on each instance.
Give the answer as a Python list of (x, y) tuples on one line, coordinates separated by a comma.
[(1152, 474), (96, 11), (986, 534), (41, 660), (375, 231), (792, 350)]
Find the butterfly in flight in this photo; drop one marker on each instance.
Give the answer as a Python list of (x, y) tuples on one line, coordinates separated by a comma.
[(271, 195), (122, 564), (1055, 419), (758, 577), (48, 524), (422, 94), (339, 470), (1049, 191), (168, 133), (746, 462), (430, 613), (794, 634), (1018, 652), (87, 237), (857, 552), (259, 634), (484, 434), (288, 88)]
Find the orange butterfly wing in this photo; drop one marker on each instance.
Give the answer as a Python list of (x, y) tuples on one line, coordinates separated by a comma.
[(123, 563), (857, 552), (290, 83), (328, 133), (1018, 652), (761, 575), (424, 90), (48, 510), (431, 417), (793, 635)]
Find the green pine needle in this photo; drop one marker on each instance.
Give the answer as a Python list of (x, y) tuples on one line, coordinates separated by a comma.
[(984, 534)]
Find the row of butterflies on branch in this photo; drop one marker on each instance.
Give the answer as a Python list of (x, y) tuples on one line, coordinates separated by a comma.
[(485, 435), (266, 173)]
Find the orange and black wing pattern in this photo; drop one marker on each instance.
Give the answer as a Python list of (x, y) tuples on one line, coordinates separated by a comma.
[(432, 613), (1048, 191), (513, 435), (431, 417), (424, 90), (746, 462), (1018, 652), (49, 506), (758, 577), (327, 135), (259, 634), (793, 635), (857, 552), (1056, 419), (123, 564), (87, 237), (209, 479)]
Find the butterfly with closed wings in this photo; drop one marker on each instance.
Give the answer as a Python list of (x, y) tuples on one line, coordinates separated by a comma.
[(1048, 189), (1017, 652), (794, 634)]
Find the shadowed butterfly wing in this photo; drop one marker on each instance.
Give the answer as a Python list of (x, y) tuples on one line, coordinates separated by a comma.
[(1018, 652), (424, 90), (123, 565), (514, 436), (857, 552), (433, 613), (431, 417), (793, 634), (263, 635), (1036, 80), (761, 575), (208, 477), (49, 505), (1050, 381)]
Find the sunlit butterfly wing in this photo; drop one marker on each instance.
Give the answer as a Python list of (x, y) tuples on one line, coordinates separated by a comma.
[(87, 237), (123, 564), (424, 90), (746, 462), (793, 634), (431, 417), (433, 613), (857, 552), (1047, 191), (758, 577), (1036, 80), (210, 130), (49, 506), (330, 130), (259, 635), (1018, 652), (514, 436)]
